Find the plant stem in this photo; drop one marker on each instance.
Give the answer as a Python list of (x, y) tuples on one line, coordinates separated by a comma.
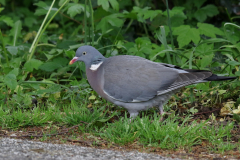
[(169, 25), (4, 49), (170, 28), (92, 23), (46, 44), (128, 26), (40, 29), (85, 23), (46, 27), (145, 28)]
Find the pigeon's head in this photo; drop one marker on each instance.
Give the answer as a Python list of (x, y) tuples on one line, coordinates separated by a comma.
[(89, 55)]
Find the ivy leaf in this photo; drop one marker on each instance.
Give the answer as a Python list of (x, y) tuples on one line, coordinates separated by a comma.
[(31, 64), (209, 30), (7, 20), (76, 9), (186, 35), (204, 12)]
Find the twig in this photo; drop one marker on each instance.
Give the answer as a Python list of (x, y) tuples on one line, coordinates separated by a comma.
[(80, 141), (67, 130), (70, 18), (207, 111)]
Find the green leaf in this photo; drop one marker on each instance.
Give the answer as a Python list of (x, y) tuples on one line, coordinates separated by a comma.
[(12, 49), (31, 64), (206, 60), (114, 4), (15, 71), (7, 20), (186, 35), (29, 21), (145, 13), (237, 73), (3, 2), (113, 20), (209, 30), (204, 49), (174, 11), (198, 4), (41, 4), (76, 9), (234, 63), (204, 12), (10, 81), (178, 19), (27, 100), (104, 4), (16, 31), (43, 9), (50, 66)]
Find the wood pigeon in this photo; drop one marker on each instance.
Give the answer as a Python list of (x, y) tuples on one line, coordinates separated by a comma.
[(136, 83)]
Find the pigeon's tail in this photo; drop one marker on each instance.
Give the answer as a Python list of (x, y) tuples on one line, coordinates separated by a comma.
[(214, 77)]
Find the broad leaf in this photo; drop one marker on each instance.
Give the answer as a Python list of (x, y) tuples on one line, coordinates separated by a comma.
[(204, 12), (32, 64), (114, 4), (206, 60), (76, 9), (16, 31), (209, 30), (12, 49), (186, 35), (10, 81), (104, 4), (113, 20), (7, 20)]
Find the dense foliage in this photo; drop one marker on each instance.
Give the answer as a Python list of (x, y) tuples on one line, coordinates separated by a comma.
[(38, 38)]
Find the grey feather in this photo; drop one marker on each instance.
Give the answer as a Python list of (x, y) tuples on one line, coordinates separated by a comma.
[(136, 83)]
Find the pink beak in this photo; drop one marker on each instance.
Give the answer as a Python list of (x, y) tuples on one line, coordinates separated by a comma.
[(73, 60)]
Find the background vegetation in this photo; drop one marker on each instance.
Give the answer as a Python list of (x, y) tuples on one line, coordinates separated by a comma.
[(39, 38)]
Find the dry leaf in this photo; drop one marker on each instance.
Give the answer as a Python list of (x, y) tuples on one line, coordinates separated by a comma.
[(236, 111), (227, 109)]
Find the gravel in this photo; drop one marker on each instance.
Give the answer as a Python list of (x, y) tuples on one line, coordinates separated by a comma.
[(12, 149)]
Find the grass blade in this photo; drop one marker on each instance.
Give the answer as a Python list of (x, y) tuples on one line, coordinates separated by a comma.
[(16, 31), (40, 29), (4, 49)]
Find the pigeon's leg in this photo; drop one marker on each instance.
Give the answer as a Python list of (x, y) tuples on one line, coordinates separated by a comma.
[(133, 115), (161, 111)]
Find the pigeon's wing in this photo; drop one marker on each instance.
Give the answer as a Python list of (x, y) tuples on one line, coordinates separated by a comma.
[(135, 79)]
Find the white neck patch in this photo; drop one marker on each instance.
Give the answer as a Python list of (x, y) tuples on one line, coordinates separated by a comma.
[(94, 67)]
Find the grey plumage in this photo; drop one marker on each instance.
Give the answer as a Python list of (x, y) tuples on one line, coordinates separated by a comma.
[(136, 83)]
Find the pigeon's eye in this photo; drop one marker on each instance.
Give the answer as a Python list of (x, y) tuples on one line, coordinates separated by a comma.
[(84, 53)]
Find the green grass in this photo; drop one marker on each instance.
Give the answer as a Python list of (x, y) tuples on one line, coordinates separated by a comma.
[(172, 133)]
